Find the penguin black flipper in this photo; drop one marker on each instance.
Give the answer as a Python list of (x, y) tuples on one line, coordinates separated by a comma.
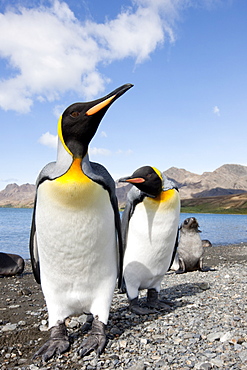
[(174, 250), (33, 248), (134, 197), (101, 176)]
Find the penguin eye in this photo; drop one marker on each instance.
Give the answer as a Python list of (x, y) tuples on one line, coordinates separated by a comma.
[(75, 114)]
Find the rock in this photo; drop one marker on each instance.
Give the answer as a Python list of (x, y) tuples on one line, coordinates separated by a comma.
[(43, 328), (14, 306), (217, 362), (138, 366), (214, 336), (9, 327), (24, 291), (22, 323), (72, 324), (204, 286), (205, 366), (243, 356), (225, 337)]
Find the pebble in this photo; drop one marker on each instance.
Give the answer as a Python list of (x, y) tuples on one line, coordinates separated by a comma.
[(206, 329), (9, 327)]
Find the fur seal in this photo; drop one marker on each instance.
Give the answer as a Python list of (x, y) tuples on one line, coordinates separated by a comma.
[(206, 243), (11, 264), (190, 249)]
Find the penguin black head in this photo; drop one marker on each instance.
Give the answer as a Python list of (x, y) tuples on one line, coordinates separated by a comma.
[(148, 179), (79, 122)]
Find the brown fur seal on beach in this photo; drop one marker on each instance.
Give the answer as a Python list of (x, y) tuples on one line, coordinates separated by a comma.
[(11, 264), (190, 248)]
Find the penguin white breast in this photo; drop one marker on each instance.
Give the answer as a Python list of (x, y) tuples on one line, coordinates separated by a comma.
[(77, 247), (152, 233)]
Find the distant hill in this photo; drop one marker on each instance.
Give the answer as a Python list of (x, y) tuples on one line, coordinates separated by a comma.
[(227, 181), (17, 196), (233, 204)]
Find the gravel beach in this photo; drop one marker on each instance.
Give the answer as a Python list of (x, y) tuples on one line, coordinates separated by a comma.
[(206, 329)]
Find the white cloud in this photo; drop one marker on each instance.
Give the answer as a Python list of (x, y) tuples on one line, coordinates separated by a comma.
[(103, 134), (48, 139), (106, 152), (99, 151), (216, 111), (11, 179), (49, 52), (124, 152), (58, 110)]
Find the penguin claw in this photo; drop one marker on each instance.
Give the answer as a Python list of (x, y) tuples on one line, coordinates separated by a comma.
[(51, 347), (159, 305), (58, 343), (166, 301), (137, 309), (142, 310), (96, 339), (93, 342)]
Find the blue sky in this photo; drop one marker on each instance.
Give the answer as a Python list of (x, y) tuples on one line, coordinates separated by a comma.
[(186, 59)]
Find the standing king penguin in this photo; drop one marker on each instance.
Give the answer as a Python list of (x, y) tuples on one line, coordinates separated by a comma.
[(149, 229), (75, 229)]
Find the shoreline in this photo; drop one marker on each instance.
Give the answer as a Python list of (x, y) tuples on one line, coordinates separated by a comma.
[(183, 210), (207, 305)]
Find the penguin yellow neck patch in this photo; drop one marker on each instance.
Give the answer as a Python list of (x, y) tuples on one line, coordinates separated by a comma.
[(73, 190), (165, 196), (165, 200), (74, 174), (60, 135)]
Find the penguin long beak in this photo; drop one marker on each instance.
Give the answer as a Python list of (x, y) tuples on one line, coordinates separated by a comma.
[(136, 180), (108, 99)]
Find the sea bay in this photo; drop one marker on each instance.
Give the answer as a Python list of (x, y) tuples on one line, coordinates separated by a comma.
[(220, 229)]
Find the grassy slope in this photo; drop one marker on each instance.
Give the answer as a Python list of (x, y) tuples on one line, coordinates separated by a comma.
[(234, 204)]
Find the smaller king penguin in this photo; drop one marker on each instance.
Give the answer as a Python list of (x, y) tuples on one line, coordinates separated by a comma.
[(75, 229), (149, 230)]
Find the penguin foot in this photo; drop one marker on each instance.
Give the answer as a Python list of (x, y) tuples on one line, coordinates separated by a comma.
[(58, 343), (137, 309), (88, 324), (154, 302), (96, 339)]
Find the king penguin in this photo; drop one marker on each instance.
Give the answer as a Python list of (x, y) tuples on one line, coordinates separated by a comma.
[(75, 231), (149, 229)]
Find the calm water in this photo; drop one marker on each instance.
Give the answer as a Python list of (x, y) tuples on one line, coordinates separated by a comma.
[(219, 229)]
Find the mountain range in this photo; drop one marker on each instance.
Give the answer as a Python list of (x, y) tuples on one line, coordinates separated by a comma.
[(227, 180)]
